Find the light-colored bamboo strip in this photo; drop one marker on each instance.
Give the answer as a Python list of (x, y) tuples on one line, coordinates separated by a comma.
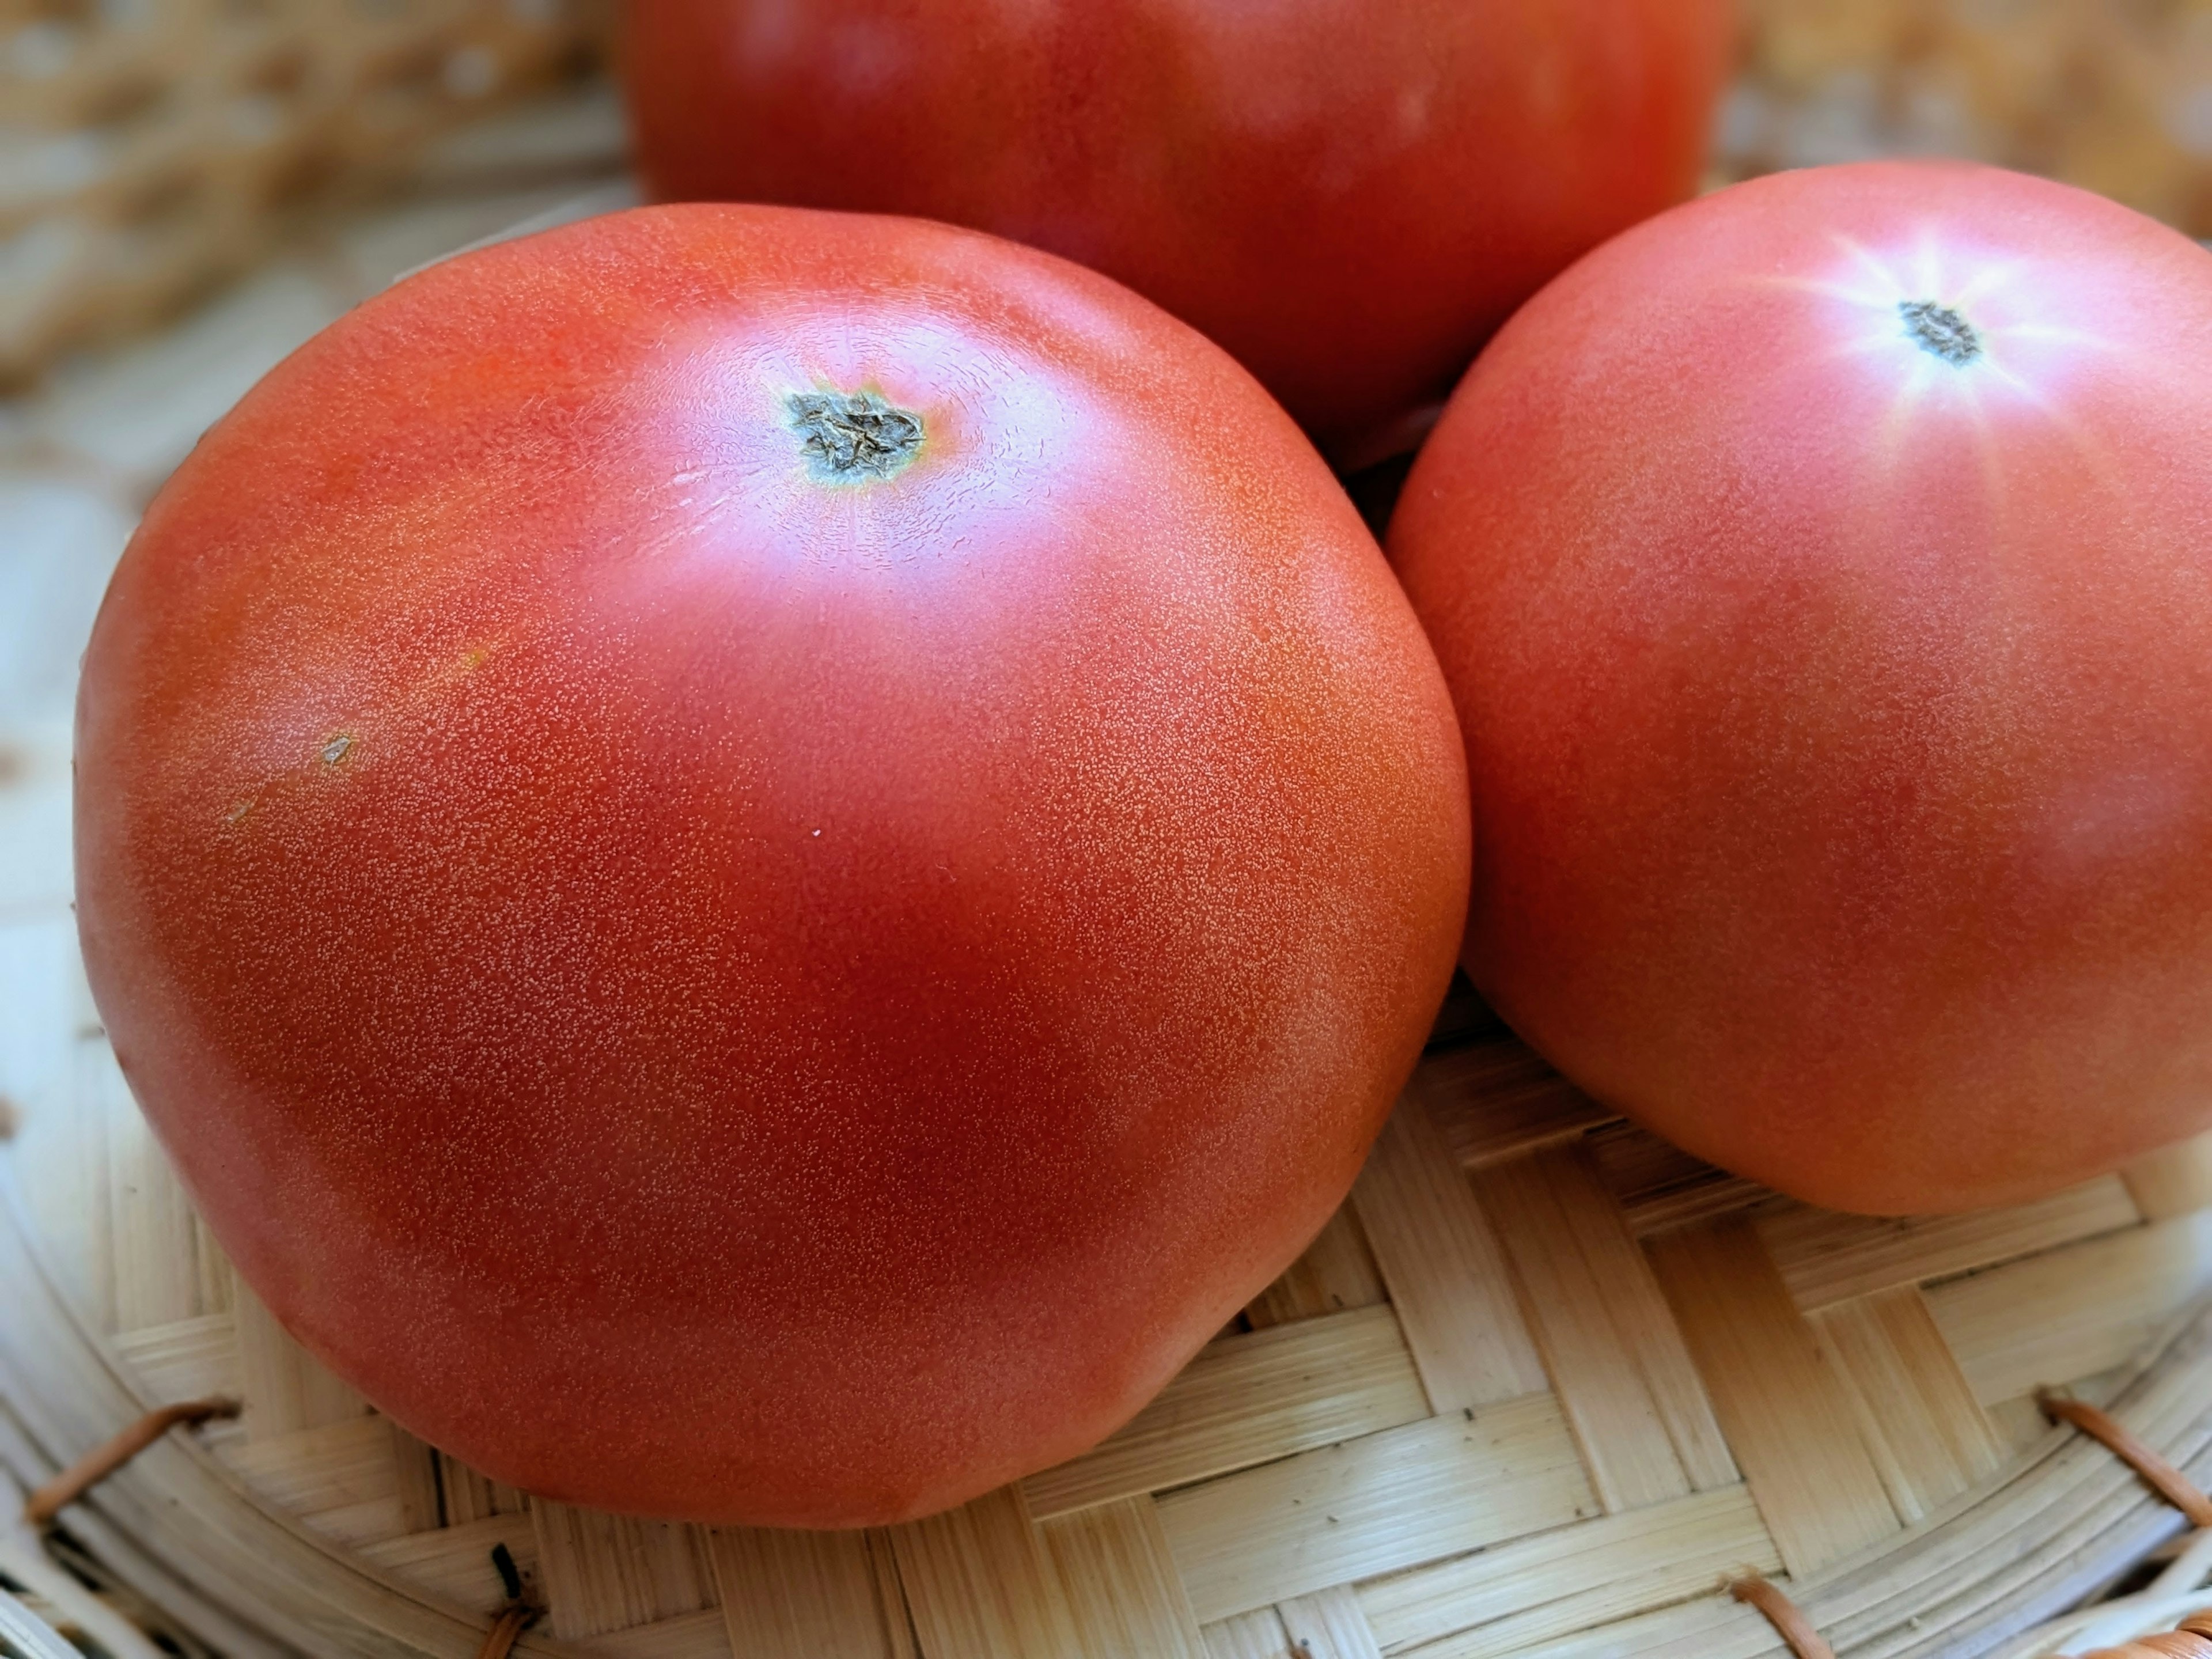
[(189, 1359), (700, 1635), (801, 1595), (1657, 1185), (1825, 1256), (218, 1282), (978, 1580), (472, 1496), (156, 1236), (1247, 1399), (2062, 1523), (286, 1388), (1328, 1625), (339, 1478), (2095, 1305), (1256, 1635), (608, 1572), (1392, 1500), (1532, 1589), (1336, 1271), (1122, 1587), (1446, 1276), (455, 1562), (1928, 1438), (891, 1596), (1713, 1628), (2176, 1181), (1630, 1394), (1499, 1099), (415, 1474), (1786, 1415)]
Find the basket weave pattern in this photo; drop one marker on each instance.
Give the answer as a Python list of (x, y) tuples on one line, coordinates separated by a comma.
[(148, 147), (1543, 1374)]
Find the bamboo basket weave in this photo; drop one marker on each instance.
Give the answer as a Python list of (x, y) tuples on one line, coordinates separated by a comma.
[(1538, 1388), (148, 147)]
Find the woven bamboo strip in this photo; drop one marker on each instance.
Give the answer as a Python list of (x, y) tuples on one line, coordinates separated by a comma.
[(1446, 1276), (1715, 1628), (802, 1596), (1391, 1500), (1495, 1099), (978, 1581), (702, 1635), (607, 1572), (1515, 1595), (1122, 1584), (467, 1495), (1657, 1185), (189, 1359), (1328, 1625), (1640, 1416), (454, 1563), (1826, 1257), (1336, 1271), (1246, 1399), (1784, 1412), (1929, 1438), (1256, 1635), (2095, 1305), (340, 1479), (1996, 1563), (155, 1236), (286, 1388), (414, 1470)]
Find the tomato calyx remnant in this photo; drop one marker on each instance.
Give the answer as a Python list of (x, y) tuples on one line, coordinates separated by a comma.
[(1940, 330), (849, 436)]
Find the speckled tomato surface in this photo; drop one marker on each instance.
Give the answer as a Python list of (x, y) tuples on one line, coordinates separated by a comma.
[(757, 863), (1349, 195), (1824, 576)]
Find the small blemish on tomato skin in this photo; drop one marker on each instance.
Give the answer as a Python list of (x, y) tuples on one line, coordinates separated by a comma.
[(335, 750)]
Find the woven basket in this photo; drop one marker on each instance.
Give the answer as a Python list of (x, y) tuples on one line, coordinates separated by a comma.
[(1539, 1388), (2115, 95), (150, 147)]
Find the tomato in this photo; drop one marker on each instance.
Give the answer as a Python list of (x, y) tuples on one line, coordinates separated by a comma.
[(1349, 195), (1823, 573), (749, 877)]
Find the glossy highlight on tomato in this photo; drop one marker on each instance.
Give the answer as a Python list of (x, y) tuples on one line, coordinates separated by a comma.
[(1823, 571), (1349, 197), (757, 863)]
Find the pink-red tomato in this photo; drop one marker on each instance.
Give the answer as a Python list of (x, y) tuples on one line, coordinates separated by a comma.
[(757, 863), (1349, 195), (1823, 573)]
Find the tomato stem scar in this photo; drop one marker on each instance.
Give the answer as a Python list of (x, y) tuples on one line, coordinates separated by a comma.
[(847, 436)]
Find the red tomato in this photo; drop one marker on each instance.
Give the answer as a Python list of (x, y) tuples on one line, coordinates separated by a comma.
[(757, 863), (1349, 195), (1823, 573)]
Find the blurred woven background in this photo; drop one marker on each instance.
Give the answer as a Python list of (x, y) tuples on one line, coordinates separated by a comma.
[(2112, 94)]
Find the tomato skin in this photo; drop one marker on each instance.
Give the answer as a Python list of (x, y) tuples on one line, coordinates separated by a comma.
[(715, 993), (1838, 714), (1348, 194)]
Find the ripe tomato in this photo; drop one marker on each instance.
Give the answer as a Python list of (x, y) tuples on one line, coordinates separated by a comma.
[(757, 862), (1824, 576), (1349, 195)]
